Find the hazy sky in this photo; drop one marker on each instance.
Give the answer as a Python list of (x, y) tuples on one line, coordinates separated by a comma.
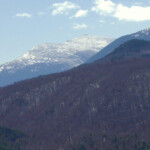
[(27, 23)]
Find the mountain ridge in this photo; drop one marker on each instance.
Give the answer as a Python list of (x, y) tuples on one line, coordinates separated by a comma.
[(131, 49), (141, 35)]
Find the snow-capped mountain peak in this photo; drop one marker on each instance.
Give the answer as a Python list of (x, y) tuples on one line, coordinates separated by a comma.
[(55, 57), (53, 52)]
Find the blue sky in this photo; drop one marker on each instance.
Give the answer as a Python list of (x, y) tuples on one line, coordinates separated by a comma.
[(27, 23)]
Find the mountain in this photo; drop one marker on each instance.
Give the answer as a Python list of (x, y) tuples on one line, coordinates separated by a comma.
[(102, 105), (51, 58), (143, 35)]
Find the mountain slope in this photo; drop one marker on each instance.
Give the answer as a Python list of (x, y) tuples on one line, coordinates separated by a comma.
[(131, 49), (51, 58), (144, 35), (103, 105)]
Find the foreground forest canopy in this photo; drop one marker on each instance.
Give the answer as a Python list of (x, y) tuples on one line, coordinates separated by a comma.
[(10, 139)]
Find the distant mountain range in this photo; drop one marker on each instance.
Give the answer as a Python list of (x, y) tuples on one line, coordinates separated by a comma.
[(51, 58), (103, 105), (143, 35)]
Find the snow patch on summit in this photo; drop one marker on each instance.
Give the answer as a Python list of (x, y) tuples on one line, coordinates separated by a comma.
[(71, 53)]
